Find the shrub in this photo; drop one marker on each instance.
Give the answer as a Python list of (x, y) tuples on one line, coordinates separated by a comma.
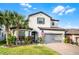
[(11, 39), (66, 40), (28, 40), (40, 40), (3, 42)]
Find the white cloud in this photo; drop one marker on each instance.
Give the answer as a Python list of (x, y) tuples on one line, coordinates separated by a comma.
[(27, 5), (58, 9), (61, 10), (26, 9), (70, 10), (60, 13), (34, 8), (23, 4), (67, 7)]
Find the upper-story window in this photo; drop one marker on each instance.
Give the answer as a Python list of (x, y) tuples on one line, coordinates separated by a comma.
[(53, 23), (40, 20)]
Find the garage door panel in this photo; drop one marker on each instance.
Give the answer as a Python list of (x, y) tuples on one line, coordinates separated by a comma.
[(52, 38)]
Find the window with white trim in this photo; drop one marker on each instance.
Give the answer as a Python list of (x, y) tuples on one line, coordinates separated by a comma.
[(40, 20), (53, 23)]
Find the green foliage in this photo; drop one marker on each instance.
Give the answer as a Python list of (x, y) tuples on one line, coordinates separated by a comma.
[(8, 18), (40, 40), (2, 42), (11, 39), (66, 40), (28, 40)]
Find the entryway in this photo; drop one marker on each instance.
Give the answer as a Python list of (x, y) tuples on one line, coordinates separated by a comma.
[(34, 36)]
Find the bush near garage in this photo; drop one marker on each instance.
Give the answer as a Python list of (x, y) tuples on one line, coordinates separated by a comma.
[(66, 40), (40, 40), (28, 40)]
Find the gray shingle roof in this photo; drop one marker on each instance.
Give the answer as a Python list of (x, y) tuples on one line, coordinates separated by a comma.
[(72, 31), (52, 28)]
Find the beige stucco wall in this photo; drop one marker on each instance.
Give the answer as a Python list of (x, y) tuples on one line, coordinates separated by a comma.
[(33, 21), (74, 37), (55, 24), (48, 23)]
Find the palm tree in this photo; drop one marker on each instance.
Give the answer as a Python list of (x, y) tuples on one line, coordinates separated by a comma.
[(5, 19), (1, 18), (26, 25), (12, 18), (18, 21)]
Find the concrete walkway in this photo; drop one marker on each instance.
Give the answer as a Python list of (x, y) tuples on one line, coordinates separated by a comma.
[(64, 49)]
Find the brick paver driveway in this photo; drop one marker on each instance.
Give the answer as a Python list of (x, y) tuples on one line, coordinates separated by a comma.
[(64, 49)]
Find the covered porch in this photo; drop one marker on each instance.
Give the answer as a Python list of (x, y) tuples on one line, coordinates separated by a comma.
[(23, 34)]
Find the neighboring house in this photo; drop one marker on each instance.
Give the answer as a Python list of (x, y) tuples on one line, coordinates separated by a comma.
[(73, 34), (41, 23), (2, 33)]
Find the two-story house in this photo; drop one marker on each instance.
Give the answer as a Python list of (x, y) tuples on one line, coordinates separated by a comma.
[(43, 24)]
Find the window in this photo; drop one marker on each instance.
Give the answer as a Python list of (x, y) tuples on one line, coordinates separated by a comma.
[(53, 23), (40, 20)]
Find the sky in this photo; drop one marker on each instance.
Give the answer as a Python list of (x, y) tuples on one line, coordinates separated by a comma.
[(67, 13)]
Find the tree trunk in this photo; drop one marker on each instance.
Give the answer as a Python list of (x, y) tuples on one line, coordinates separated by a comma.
[(17, 35), (7, 33)]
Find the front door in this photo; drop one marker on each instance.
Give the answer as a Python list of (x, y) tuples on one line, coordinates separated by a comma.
[(34, 36)]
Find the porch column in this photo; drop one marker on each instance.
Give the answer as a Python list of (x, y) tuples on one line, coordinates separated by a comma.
[(29, 33), (63, 37), (73, 38)]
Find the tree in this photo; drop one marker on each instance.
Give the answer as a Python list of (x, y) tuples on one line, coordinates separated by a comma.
[(6, 20), (18, 21), (9, 19)]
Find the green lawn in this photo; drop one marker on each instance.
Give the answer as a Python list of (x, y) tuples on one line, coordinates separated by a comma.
[(27, 50)]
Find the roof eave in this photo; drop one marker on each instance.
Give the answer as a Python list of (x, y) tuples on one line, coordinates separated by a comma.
[(52, 29)]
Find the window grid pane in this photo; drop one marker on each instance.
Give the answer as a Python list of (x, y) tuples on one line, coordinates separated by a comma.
[(40, 20)]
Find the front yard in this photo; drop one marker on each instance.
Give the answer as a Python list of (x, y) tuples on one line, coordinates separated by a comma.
[(27, 50)]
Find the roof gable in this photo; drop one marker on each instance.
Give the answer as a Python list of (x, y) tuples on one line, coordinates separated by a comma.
[(38, 13), (44, 14)]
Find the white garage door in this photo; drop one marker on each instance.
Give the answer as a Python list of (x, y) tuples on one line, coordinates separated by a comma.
[(52, 38)]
